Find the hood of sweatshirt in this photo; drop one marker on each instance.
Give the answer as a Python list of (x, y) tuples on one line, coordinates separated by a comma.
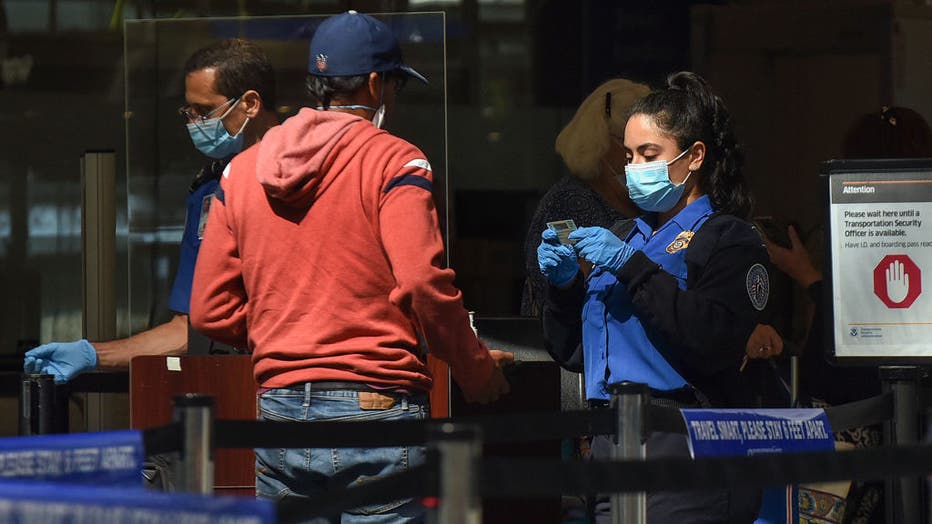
[(293, 157)]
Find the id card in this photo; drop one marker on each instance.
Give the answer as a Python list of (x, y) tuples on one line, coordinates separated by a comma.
[(563, 228)]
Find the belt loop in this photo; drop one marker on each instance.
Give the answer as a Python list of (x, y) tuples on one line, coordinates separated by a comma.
[(404, 403), (307, 394)]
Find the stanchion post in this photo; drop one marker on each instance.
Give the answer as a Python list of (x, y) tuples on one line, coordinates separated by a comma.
[(928, 440), (903, 495), (458, 448), (629, 401), (40, 412), (195, 413)]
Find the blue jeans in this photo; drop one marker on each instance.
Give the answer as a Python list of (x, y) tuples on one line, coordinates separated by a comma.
[(309, 472)]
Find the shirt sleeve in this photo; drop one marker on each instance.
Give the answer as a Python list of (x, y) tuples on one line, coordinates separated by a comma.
[(561, 318), (218, 295), (708, 324), (410, 233)]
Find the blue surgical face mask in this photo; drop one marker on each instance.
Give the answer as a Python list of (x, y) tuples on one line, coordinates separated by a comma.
[(212, 139), (649, 185)]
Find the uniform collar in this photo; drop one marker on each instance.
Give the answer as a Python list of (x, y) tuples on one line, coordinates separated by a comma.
[(690, 214), (684, 220)]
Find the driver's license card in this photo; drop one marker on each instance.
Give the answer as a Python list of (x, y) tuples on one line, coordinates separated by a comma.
[(563, 228)]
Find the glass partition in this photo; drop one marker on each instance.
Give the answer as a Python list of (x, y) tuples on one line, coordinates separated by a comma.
[(161, 161)]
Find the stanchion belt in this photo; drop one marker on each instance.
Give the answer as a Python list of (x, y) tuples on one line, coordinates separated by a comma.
[(865, 412), (527, 477), (416, 482), (519, 427), (163, 439), (529, 427), (512, 427), (665, 419)]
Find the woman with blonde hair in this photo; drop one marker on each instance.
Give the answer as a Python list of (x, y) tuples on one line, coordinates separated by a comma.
[(593, 193)]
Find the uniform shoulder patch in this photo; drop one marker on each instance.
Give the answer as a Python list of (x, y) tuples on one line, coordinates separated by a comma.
[(757, 282)]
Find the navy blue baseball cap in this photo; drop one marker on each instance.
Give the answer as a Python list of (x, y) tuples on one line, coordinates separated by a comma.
[(352, 44)]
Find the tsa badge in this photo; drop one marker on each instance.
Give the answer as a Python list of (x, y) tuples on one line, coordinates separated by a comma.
[(681, 242), (205, 211), (758, 286)]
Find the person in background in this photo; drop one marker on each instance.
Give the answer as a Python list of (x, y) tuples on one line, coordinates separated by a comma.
[(323, 256), (675, 296), (593, 192), (230, 104), (891, 132)]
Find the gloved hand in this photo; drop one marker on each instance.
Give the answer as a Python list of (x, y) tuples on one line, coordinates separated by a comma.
[(556, 261), (64, 360), (601, 247)]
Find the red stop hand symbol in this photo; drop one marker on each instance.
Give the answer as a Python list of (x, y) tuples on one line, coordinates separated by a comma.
[(897, 281)]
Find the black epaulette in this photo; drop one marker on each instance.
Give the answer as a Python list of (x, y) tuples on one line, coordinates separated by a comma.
[(212, 170)]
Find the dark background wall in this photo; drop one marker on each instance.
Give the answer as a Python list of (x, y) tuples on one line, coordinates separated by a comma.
[(795, 74)]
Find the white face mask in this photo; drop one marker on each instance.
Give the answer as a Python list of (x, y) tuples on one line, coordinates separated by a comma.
[(379, 117)]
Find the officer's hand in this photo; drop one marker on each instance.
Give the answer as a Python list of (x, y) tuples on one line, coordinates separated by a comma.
[(556, 261), (764, 342), (601, 247), (64, 360)]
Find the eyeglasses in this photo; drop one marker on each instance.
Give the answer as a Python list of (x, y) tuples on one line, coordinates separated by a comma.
[(192, 115)]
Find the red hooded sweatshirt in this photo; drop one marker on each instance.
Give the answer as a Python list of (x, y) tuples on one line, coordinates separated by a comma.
[(322, 255)]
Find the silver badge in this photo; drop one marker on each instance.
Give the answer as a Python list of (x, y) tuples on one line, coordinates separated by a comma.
[(758, 286)]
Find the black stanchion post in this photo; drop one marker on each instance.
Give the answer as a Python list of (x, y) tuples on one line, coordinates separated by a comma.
[(40, 412), (629, 401), (903, 495), (458, 447), (195, 412), (928, 440)]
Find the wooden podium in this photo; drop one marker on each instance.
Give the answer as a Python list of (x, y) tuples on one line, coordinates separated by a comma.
[(154, 381)]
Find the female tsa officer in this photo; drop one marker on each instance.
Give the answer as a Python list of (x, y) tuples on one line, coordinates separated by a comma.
[(675, 294)]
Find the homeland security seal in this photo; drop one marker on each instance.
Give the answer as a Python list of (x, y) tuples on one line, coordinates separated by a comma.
[(758, 286)]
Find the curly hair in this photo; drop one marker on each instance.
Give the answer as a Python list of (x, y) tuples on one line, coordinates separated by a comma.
[(688, 111)]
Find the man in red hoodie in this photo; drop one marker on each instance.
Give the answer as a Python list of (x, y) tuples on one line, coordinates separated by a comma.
[(322, 255)]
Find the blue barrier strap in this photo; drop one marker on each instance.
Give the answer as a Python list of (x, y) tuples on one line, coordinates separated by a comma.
[(730, 432), (104, 459), (27, 502)]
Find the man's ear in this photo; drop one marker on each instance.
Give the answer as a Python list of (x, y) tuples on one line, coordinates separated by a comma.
[(253, 103), (374, 87)]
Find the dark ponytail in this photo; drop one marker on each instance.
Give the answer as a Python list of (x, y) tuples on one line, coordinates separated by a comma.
[(688, 111)]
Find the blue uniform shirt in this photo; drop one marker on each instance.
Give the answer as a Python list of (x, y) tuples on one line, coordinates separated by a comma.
[(197, 206), (616, 346)]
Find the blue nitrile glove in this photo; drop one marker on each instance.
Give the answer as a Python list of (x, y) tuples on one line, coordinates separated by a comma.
[(601, 247), (64, 360), (556, 261)]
